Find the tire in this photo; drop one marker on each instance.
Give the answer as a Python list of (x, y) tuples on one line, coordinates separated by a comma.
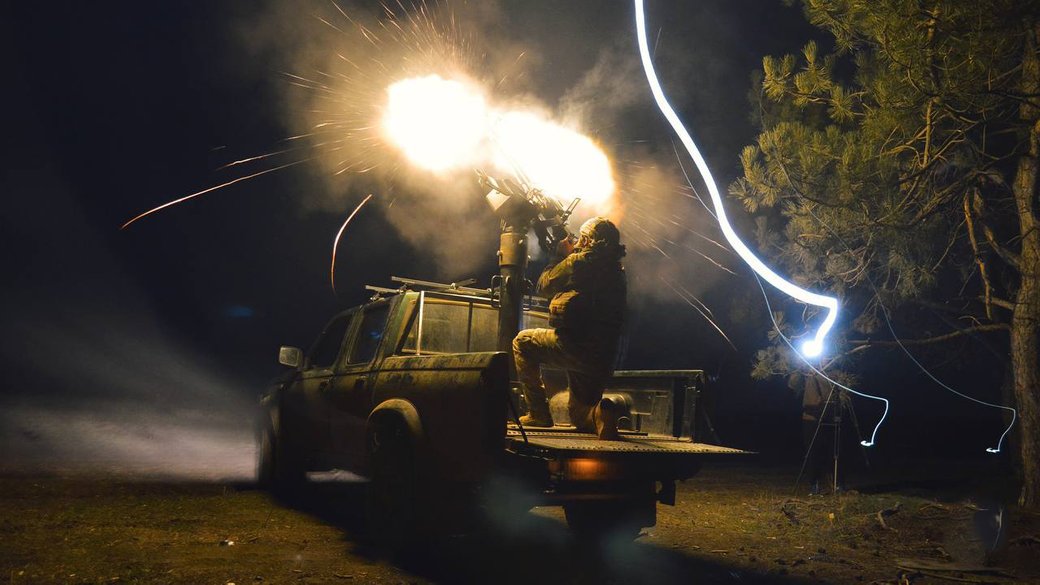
[(278, 469), (290, 474), (265, 473), (396, 507), (595, 521)]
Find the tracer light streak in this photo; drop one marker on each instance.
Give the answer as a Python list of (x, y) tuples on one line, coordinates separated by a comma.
[(811, 348)]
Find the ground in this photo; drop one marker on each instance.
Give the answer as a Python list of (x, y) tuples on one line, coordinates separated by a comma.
[(731, 524)]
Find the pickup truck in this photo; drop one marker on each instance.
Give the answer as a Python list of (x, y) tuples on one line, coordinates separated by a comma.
[(409, 391)]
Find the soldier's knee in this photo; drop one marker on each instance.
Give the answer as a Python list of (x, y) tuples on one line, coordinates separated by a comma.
[(521, 341)]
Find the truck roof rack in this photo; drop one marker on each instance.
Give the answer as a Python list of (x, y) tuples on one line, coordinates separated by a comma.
[(426, 285), (460, 288)]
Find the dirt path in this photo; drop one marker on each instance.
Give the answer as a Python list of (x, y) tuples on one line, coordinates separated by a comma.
[(730, 525)]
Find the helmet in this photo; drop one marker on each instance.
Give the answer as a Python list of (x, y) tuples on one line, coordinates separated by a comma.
[(600, 229)]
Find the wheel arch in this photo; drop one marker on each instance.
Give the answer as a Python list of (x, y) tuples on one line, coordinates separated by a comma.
[(399, 410), (268, 416)]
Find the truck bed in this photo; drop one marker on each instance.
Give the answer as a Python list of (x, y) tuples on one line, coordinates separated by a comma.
[(575, 461), (567, 441)]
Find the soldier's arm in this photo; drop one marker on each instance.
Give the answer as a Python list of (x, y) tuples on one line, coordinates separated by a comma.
[(554, 278)]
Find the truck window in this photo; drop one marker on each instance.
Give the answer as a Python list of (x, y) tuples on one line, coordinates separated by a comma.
[(535, 320), (484, 329), (369, 335), (456, 326), (445, 328), (325, 350)]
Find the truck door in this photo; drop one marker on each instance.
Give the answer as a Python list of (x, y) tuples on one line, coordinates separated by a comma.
[(350, 396), (307, 417)]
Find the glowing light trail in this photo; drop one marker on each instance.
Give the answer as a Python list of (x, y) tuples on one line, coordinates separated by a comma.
[(776, 326), (204, 191), (920, 366), (814, 347), (811, 348), (1014, 413), (339, 234)]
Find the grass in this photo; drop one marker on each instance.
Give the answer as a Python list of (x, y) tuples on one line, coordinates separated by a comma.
[(730, 524)]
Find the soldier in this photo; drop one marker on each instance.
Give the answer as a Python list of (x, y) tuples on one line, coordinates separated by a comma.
[(586, 284)]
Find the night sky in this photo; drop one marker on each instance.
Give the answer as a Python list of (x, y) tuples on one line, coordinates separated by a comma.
[(174, 323)]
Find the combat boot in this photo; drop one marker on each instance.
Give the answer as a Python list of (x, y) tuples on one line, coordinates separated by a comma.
[(538, 414), (606, 416)]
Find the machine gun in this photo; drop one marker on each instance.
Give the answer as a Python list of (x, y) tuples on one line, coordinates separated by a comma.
[(521, 208), (517, 203)]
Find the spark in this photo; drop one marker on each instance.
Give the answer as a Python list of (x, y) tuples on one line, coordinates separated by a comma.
[(700, 307), (335, 241), (209, 190), (256, 158), (709, 259), (686, 175), (810, 348), (348, 103)]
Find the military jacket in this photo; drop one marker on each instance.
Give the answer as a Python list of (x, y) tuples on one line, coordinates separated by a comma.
[(587, 291)]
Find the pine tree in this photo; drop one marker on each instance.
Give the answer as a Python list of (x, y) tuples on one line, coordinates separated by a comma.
[(904, 165)]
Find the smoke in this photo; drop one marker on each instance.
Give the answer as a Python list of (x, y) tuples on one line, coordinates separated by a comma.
[(609, 92), (336, 61), (340, 58), (93, 380), (675, 248), (100, 387), (125, 438)]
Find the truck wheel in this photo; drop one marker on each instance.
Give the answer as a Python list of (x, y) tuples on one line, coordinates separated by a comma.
[(265, 459), (277, 469), (594, 521), (289, 471), (394, 509)]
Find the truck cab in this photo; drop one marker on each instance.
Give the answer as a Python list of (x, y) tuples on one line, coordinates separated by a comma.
[(410, 391)]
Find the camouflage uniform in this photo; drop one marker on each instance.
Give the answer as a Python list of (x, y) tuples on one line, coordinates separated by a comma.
[(587, 290)]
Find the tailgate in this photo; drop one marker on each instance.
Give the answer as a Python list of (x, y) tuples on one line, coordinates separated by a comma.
[(578, 444), (665, 434), (570, 456)]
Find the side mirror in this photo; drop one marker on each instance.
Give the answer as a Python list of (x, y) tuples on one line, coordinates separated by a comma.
[(290, 356)]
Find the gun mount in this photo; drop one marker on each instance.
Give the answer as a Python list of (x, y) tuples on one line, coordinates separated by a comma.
[(521, 208)]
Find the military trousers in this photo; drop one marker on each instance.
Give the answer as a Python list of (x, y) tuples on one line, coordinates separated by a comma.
[(588, 361)]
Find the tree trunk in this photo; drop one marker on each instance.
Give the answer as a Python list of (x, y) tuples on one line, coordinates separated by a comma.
[(1025, 320), (1025, 347)]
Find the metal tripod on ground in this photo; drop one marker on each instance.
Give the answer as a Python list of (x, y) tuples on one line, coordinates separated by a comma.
[(836, 406)]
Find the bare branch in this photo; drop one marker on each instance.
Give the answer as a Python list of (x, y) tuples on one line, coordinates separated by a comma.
[(929, 340), (987, 287), (1006, 255), (1002, 303)]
